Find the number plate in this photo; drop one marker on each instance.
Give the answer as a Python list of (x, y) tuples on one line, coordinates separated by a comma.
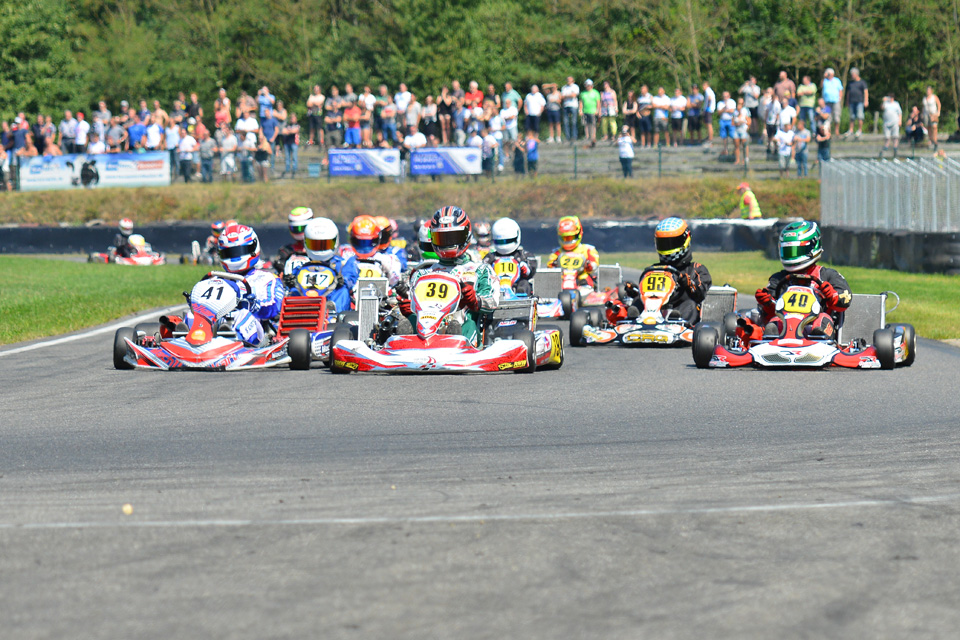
[(571, 261), (316, 280), (435, 291), (657, 282), (798, 301)]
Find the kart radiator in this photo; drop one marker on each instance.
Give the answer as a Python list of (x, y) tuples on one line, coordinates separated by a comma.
[(547, 283), (520, 310), (720, 301), (368, 306), (380, 284), (866, 314), (301, 312), (609, 275)]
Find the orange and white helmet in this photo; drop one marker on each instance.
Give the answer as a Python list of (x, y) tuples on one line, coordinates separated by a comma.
[(569, 232), (365, 237), (385, 231), (126, 227)]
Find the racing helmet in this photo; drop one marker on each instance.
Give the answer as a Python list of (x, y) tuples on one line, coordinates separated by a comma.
[(229, 223), (394, 229), (137, 241), (383, 222), (320, 239), (506, 236), (482, 232), (424, 242), (298, 219), (126, 227), (672, 239), (800, 245), (450, 232), (216, 228), (365, 237), (569, 232), (238, 248)]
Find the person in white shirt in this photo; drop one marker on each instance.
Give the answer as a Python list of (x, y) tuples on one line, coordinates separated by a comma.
[(509, 115), (625, 147), (414, 140), (533, 106), (247, 124), (788, 114), (402, 100), (228, 150), (645, 116), (751, 100), (709, 106), (570, 94), (726, 109), (496, 130), (187, 147), (784, 139), (154, 135), (83, 131), (678, 104), (488, 149), (661, 113), (96, 145)]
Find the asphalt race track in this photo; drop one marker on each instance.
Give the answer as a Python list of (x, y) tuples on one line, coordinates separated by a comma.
[(626, 495)]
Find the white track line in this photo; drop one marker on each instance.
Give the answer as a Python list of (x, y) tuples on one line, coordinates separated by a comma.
[(86, 334), (468, 519)]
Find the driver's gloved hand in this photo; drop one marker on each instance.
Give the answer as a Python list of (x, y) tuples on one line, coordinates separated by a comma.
[(289, 280)]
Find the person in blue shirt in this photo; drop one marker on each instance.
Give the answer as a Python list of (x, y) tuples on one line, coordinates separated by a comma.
[(136, 132), (270, 128), (533, 153), (326, 273), (265, 100), (832, 92)]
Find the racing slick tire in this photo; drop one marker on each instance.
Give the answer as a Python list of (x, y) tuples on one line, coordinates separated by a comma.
[(580, 319), (120, 347), (705, 338), (148, 328), (299, 349), (568, 302), (527, 337), (909, 342), (552, 327), (729, 329), (341, 332), (883, 343), (597, 316)]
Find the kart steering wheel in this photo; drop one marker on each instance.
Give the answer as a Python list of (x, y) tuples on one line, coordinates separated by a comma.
[(223, 275)]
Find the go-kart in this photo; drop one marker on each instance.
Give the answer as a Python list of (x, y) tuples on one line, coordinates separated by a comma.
[(305, 307), (211, 342), (198, 255), (653, 325), (793, 339), (144, 256), (510, 343), (575, 289), (507, 269)]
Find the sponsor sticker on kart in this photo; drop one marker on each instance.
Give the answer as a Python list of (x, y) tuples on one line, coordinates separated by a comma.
[(503, 366), (647, 337), (719, 361), (868, 362), (345, 364)]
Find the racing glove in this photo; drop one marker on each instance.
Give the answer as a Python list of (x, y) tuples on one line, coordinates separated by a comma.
[(687, 282), (404, 305), (289, 280), (468, 297), (631, 289), (249, 302), (339, 281), (829, 295), (765, 302)]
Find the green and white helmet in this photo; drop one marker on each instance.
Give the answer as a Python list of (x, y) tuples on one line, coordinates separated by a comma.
[(800, 245)]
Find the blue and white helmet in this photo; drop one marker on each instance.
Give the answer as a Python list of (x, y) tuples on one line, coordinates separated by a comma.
[(239, 248)]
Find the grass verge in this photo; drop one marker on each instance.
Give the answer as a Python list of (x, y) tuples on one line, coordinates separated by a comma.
[(43, 297), (927, 301), (545, 197)]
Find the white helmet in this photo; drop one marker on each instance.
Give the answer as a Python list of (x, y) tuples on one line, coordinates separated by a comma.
[(506, 236), (320, 238), (298, 219), (126, 226)]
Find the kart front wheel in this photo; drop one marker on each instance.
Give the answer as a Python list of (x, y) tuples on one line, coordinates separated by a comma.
[(567, 303), (705, 339), (298, 348), (729, 328), (340, 333), (883, 343), (526, 336), (909, 342), (580, 319), (120, 347)]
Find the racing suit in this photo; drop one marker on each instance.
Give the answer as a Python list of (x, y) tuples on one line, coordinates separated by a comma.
[(833, 305), (122, 245), (267, 293), (386, 264), (525, 264), (295, 249), (485, 283), (401, 254), (693, 282), (347, 273), (591, 261)]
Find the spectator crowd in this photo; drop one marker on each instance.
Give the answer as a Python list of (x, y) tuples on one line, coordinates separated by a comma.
[(256, 135)]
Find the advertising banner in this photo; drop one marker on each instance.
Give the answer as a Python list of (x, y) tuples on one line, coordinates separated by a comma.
[(95, 171), (445, 161), (364, 162)]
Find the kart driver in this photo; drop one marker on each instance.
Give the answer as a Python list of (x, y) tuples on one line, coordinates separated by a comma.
[(480, 288), (216, 228), (482, 233), (672, 239), (386, 244), (321, 237), (366, 240), (800, 249), (506, 244), (122, 240), (297, 220), (570, 235)]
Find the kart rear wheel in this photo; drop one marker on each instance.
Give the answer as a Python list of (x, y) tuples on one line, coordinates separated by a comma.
[(527, 337), (883, 343), (567, 303), (299, 349), (909, 343), (579, 320), (597, 316), (705, 339), (120, 347), (149, 329)]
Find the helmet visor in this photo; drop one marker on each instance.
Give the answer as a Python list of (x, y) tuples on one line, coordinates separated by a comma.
[(671, 244), (455, 237), (298, 229), (365, 246), (795, 250), (504, 242), (241, 251), (320, 244)]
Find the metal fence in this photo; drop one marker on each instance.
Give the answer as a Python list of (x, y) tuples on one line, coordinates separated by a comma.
[(909, 195)]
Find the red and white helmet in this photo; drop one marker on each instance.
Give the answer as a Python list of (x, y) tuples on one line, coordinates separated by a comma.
[(239, 248), (450, 232), (126, 227)]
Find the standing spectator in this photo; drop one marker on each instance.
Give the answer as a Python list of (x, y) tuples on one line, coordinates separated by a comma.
[(445, 107), (554, 111), (509, 93), (136, 133), (262, 157), (29, 149), (4, 185), (179, 115), (366, 123), (228, 154), (807, 99), (402, 100), (931, 115), (96, 145), (788, 115), (124, 114), (103, 112), (414, 112), (143, 111), (473, 97), (171, 140), (21, 132), (645, 116), (625, 145), (694, 108), (348, 94), (388, 122), (221, 96), (750, 91), (458, 94), (892, 121), (333, 120), (291, 146), (314, 115), (187, 147), (351, 123), (533, 106), (68, 132), (49, 130), (270, 128), (429, 124), (207, 148), (116, 136), (570, 93), (784, 86), (160, 116), (488, 152), (771, 118), (589, 110), (741, 133), (608, 113), (800, 143), (492, 97), (785, 138), (533, 153), (630, 117), (495, 123), (280, 113), (414, 140), (858, 98), (709, 106), (153, 140), (678, 106), (383, 95), (661, 112), (248, 150), (38, 134), (832, 91), (726, 109), (247, 124), (519, 159), (510, 116), (265, 100), (221, 114)]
